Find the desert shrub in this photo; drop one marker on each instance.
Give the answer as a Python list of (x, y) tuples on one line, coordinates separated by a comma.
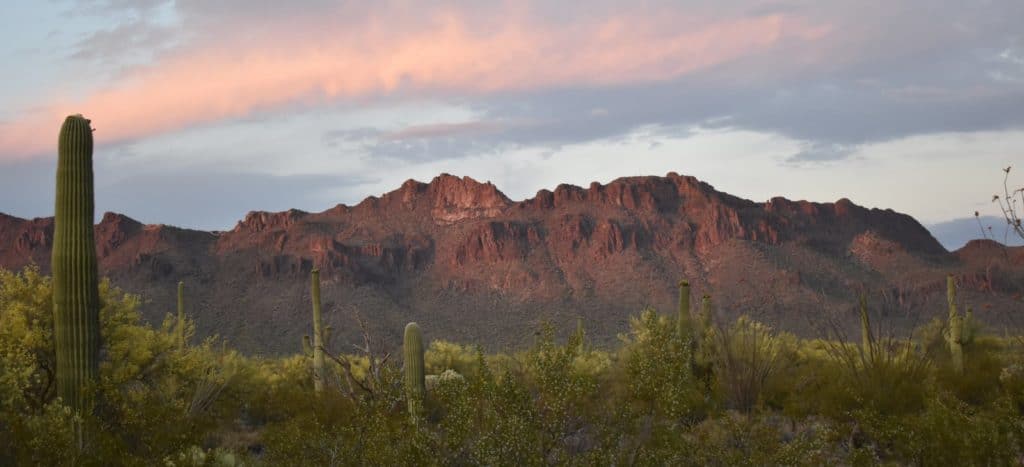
[(768, 399), (748, 355), (947, 432), (737, 439), (145, 384), (443, 355), (372, 430), (657, 370), (979, 382), (887, 374)]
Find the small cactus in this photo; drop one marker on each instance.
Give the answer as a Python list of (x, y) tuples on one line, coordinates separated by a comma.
[(307, 347), (415, 381), (319, 376), (705, 312), (970, 328)]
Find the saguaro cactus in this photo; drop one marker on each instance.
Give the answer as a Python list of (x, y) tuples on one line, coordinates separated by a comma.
[(181, 316), (318, 336), (956, 327), (415, 381), (307, 347), (683, 320), (580, 336), (76, 304), (867, 339), (704, 333), (969, 328)]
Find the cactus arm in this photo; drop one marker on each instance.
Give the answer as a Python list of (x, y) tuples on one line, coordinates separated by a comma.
[(705, 316), (969, 327)]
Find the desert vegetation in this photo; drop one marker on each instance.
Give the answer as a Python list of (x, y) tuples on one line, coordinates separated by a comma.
[(83, 381), (680, 389)]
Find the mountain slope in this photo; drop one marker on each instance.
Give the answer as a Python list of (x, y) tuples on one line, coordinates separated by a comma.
[(471, 265)]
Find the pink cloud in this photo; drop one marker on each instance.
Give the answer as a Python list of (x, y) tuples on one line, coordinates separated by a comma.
[(449, 54)]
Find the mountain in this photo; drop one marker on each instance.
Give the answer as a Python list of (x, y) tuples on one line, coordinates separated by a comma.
[(471, 265), (956, 233)]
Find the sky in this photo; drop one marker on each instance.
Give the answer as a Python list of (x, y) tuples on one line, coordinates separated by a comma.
[(205, 110)]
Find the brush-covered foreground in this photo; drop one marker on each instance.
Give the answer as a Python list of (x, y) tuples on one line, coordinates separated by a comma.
[(740, 394)]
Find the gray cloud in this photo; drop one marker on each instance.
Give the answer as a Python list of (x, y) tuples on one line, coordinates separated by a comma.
[(106, 7), (133, 37), (822, 152), (884, 70), (422, 143)]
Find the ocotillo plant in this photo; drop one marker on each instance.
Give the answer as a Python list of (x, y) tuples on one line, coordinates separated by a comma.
[(318, 336), (76, 304), (956, 327), (181, 316), (683, 320), (415, 381)]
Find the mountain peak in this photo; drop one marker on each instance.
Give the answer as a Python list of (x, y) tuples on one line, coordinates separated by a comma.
[(478, 264)]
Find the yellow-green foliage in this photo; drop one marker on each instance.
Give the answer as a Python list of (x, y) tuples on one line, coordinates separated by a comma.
[(800, 401), (443, 355), (947, 431), (657, 369), (748, 356), (146, 384)]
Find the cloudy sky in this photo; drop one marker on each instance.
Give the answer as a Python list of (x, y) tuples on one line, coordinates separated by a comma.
[(205, 110)]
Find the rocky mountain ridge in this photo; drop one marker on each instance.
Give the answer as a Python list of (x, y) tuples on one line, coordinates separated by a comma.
[(472, 265)]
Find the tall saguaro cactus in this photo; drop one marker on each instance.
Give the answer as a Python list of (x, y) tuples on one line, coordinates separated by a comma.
[(76, 303), (683, 320), (956, 327), (415, 381), (867, 339), (318, 336), (705, 334)]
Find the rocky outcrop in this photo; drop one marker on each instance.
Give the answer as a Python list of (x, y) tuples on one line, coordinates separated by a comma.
[(463, 254)]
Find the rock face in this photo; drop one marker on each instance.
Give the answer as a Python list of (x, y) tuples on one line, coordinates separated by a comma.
[(470, 264)]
